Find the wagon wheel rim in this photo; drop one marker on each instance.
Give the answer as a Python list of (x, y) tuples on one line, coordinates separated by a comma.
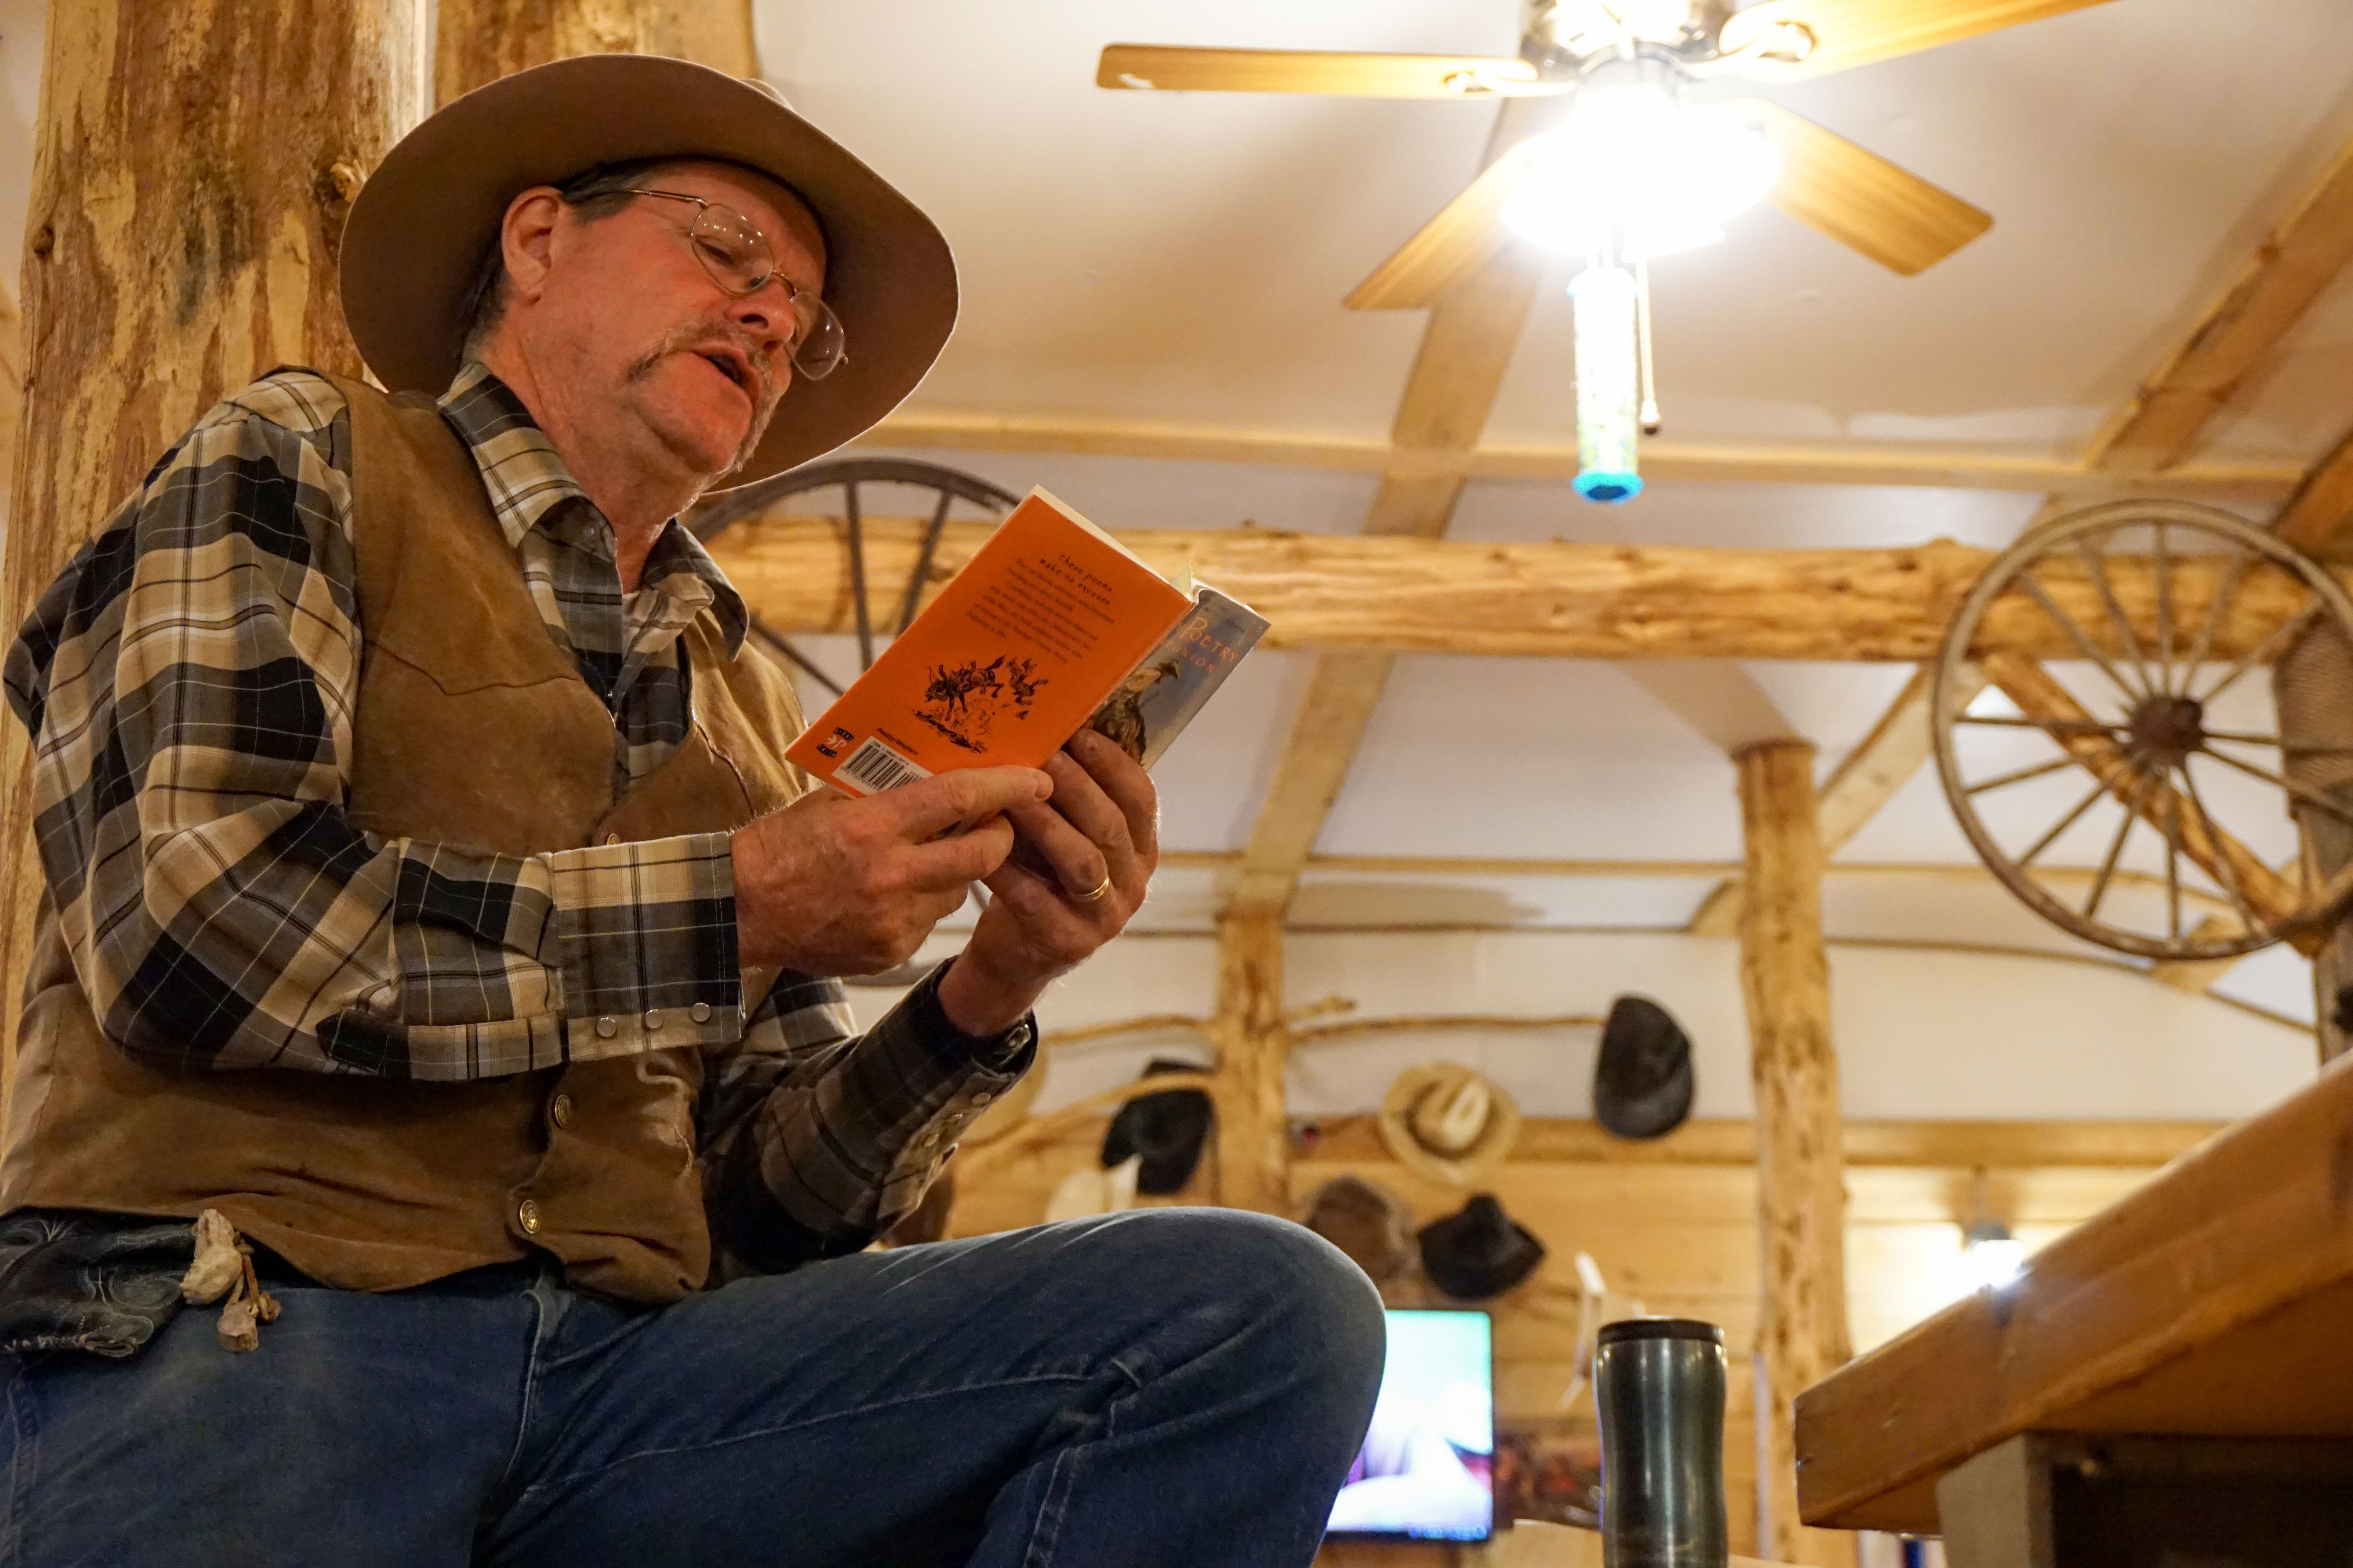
[(850, 475), (2156, 676)]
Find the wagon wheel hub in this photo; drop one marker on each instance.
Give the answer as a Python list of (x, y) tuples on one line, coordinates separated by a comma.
[(2167, 729)]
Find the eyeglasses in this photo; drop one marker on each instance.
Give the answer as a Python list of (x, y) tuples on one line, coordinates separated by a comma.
[(737, 255)]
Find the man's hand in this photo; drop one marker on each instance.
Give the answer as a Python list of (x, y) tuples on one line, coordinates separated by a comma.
[(1100, 835), (835, 886)]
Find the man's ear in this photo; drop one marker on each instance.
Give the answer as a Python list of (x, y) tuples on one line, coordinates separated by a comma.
[(526, 239)]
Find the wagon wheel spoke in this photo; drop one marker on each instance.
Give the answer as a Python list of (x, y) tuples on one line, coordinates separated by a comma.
[(857, 531), (2062, 825), (2297, 792), (2052, 726), (2115, 614), (2217, 609), (2116, 845), (2171, 828), (2021, 776), (2281, 635), (2165, 614), (2224, 873), (2076, 634)]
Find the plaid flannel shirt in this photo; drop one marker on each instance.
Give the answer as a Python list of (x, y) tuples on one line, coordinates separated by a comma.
[(189, 681)]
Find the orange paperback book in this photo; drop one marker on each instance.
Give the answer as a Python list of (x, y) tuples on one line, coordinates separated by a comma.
[(1019, 649)]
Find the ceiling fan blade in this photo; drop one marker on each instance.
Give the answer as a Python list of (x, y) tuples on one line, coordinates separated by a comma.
[(1862, 200), (1465, 233), (1850, 33), (1158, 67)]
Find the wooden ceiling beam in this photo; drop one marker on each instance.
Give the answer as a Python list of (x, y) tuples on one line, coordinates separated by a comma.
[(2237, 335), (1391, 594), (1664, 459)]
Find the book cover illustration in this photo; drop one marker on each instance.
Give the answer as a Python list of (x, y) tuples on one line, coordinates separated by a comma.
[(1176, 680), (1005, 664)]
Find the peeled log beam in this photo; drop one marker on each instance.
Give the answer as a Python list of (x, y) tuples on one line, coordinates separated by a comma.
[(1574, 601), (192, 168), (1801, 1332), (478, 41)]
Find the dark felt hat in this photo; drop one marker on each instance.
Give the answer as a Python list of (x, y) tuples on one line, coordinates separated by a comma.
[(1166, 1129), (1479, 1250), (420, 225), (1367, 1222), (1643, 1080)]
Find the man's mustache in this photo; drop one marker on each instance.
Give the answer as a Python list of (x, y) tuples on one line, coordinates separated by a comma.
[(688, 339)]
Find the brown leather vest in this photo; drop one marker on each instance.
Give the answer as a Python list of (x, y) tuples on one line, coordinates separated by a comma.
[(474, 729)]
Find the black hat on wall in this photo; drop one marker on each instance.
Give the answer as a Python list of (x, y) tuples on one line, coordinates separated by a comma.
[(1642, 1080), (1166, 1129), (1479, 1250)]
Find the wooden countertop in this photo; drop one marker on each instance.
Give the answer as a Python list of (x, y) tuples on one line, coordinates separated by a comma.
[(2217, 1301)]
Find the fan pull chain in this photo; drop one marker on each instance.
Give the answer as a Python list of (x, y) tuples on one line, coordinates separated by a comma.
[(1650, 421)]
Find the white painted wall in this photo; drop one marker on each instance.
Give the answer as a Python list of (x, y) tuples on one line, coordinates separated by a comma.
[(1919, 1035)]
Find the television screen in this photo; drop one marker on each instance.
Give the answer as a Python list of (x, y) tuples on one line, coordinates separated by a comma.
[(1427, 1466)]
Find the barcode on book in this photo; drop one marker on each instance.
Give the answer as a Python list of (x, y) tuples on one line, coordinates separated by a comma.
[(874, 766)]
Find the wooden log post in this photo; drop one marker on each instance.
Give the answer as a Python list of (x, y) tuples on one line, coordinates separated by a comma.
[(478, 41), (1801, 1332), (1253, 1047), (193, 166)]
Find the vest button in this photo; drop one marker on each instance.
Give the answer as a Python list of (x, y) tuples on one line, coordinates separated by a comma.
[(653, 1017), (983, 1098), (608, 1027), (700, 1012), (527, 1216), (559, 1111)]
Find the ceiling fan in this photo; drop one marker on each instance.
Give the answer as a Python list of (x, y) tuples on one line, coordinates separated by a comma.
[(1584, 49), (1623, 167)]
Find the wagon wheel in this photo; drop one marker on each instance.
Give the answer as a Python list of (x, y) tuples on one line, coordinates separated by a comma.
[(857, 477), (2158, 620)]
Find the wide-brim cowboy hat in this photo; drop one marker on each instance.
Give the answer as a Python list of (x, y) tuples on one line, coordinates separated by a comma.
[(1643, 1080), (1167, 1131), (1366, 1221), (1479, 1250), (424, 219), (1463, 1168)]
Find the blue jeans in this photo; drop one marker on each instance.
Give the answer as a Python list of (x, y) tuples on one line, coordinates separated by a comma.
[(1169, 1386)]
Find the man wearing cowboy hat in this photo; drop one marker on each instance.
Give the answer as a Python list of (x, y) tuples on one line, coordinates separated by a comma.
[(431, 911)]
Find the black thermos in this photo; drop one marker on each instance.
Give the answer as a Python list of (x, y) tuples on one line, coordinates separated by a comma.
[(1660, 1385)]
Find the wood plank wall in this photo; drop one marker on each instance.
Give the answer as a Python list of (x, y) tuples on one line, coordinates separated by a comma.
[(1674, 1223)]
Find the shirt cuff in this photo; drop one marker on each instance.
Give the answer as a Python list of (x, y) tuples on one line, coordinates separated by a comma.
[(645, 937), (1010, 1052)]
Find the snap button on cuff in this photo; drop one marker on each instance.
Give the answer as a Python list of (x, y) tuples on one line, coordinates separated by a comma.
[(653, 1017), (700, 1012), (983, 1098), (608, 1027)]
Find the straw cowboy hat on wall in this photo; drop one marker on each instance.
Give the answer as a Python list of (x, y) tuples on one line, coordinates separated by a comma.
[(1444, 1122)]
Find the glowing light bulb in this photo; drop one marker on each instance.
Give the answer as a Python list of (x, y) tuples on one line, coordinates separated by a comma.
[(1636, 172), (1990, 1257)]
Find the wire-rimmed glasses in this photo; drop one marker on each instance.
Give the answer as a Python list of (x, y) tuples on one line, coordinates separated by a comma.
[(737, 253)]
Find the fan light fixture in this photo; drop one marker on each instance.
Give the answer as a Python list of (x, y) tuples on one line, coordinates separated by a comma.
[(1635, 174)]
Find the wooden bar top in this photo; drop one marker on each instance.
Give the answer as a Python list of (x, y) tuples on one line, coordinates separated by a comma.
[(2216, 1300)]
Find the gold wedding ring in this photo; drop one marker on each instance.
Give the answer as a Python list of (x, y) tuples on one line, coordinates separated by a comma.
[(1097, 893)]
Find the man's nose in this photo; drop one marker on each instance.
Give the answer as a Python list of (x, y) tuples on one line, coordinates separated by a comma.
[(767, 318)]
